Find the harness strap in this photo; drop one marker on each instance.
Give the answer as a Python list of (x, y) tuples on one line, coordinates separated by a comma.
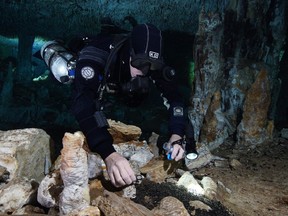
[(114, 50)]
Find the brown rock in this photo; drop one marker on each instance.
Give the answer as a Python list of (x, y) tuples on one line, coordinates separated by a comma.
[(234, 164), (253, 128), (209, 130), (153, 144), (200, 205), (122, 132), (29, 210), (158, 170), (89, 211), (113, 205), (170, 206), (96, 189)]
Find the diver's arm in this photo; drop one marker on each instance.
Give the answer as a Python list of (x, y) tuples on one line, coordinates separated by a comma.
[(98, 138), (84, 108), (173, 101)]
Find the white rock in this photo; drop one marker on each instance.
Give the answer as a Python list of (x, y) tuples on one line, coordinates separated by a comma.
[(129, 191), (25, 152), (17, 193), (209, 186), (43, 196), (74, 172), (94, 165), (73, 198), (142, 157), (188, 181), (284, 133), (204, 158)]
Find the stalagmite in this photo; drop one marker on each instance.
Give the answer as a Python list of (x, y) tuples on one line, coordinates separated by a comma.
[(74, 173)]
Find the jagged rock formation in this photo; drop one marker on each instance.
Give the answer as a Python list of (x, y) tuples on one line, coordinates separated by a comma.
[(228, 56), (254, 127), (67, 189), (22, 150), (17, 193), (74, 173)]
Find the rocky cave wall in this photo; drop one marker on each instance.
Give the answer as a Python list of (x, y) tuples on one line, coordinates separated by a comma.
[(236, 67), (236, 53)]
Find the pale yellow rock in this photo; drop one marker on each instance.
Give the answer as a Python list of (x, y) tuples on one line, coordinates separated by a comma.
[(188, 181), (158, 170), (89, 211), (170, 206), (210, 187), (75, 196), (122, 132), (114, 205), (200, 205), (16, 193)]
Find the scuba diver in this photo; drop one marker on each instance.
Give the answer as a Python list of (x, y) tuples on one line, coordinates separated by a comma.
[(125, 65)]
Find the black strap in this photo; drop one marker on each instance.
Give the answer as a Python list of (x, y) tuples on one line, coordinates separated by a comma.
[(118, 45), (119, 41)]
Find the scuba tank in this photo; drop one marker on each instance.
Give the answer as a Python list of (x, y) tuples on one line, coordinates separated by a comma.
[(60, 61)]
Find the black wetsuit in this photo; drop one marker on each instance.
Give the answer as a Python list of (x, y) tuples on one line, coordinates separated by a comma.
[(86, 92)]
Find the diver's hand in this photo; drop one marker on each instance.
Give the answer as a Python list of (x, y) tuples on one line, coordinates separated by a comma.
[(178, 151), (119, 170)]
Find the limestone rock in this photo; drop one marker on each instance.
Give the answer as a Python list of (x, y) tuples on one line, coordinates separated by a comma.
[(208, 67), (234, 163), (4, 175), (122, 132), (94, 165), (29, 210), (158, 170), (96, 189), (88, 211), (199, 205), (221, 163), (284, 133), (74, 172), (142, 157), (153, 144), (129, 191), (170, 206), (137, 152), (25, 152), (210, 187), (188, 181), (48, 189), (17, 193), (129, 148), (204, 158), (113, 205), (214, 131), (223, 193), (253, 128)]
